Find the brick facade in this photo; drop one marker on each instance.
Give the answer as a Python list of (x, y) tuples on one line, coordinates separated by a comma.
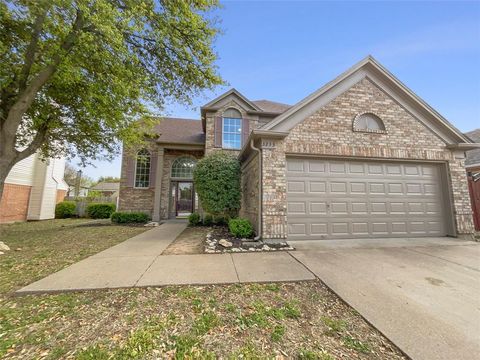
[(14, 203), (166, 204), (250, 190), (329, 132), (60, 195)]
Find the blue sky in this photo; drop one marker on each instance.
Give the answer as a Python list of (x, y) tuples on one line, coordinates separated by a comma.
[(284, 50)]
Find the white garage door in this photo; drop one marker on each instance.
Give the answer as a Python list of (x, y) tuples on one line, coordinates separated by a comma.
[(329, 199)]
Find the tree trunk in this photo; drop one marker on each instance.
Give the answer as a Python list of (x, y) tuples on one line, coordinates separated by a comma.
[(6, 164)]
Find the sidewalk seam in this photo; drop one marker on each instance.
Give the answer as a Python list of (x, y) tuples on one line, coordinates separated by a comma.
[(155, 259), (305, 266), (234, 267)]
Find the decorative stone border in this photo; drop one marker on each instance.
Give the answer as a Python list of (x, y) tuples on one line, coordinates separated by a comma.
[(218, 246)]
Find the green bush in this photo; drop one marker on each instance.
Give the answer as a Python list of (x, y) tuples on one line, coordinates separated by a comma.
[(217, 182), (220, 220), (65, 209), (129, 217), (241, 228), (194, 219), (208, 220), (100, 210)]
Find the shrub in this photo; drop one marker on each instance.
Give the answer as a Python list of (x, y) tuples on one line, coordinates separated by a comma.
[(220, 220), (129, 217), (100, 211), (65, 209), (208, 220), (217, 182), (194, 219), (241, 228)]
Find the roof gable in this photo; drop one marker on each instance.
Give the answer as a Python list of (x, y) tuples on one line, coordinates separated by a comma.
[(225, 97), (376, 73)]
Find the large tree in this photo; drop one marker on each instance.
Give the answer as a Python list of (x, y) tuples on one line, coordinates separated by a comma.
[(76, 75)]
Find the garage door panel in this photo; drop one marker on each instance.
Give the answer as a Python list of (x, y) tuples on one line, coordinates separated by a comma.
[(317, 187), (345, 199), (296, 187), (318, 207)]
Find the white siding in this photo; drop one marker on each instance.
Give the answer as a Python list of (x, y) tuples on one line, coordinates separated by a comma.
[(48, 179), (23, 172)]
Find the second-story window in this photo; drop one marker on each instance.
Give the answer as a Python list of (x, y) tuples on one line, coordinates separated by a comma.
[(142, 169), (232, 129)]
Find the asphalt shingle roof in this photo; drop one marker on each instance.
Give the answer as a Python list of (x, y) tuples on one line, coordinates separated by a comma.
[(473, 156), (180, 131), (271, 106)]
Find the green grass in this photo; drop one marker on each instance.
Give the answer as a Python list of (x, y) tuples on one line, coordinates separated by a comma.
[(43, 247), (306, 354), (356, 344), (334, 326), (249, 321), (205, 322), (277, 333)]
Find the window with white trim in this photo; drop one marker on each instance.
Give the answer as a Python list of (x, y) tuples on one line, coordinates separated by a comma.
[(232, 129), (142, 169)]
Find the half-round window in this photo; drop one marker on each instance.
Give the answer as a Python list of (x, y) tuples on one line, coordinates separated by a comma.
[(182, 168), (232, 113), (368, 122)]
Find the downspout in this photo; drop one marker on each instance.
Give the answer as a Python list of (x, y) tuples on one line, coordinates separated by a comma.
[(260, 190)]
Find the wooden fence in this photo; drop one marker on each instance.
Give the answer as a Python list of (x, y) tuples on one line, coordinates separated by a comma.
[(83, 202)]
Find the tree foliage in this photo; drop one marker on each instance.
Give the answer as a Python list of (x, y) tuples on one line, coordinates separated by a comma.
[(76, 75), (217, 182)]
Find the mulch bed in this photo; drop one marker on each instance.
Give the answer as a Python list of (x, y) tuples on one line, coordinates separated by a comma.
[(218, 234)]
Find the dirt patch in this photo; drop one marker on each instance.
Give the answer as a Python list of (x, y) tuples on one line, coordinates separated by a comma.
[(190, 241)]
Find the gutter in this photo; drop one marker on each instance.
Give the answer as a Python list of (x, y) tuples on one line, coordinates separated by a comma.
[(463, 146), (260, 189)]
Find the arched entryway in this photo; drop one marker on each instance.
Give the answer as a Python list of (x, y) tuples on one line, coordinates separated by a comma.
[(183, 190)]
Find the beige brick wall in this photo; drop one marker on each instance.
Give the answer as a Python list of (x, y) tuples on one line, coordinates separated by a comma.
[(329, 132), (166, 207), (250, 190), (131, 199), (274, 211)]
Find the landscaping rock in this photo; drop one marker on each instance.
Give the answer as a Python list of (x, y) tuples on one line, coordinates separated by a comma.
[(3, 246), (225, 243), (1, 253), (151, 224)]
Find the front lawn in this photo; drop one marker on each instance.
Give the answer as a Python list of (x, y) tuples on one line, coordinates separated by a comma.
[(289, 320)]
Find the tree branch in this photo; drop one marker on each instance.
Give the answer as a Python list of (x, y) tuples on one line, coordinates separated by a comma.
[(26, 98), (32, 49), (34, 145)]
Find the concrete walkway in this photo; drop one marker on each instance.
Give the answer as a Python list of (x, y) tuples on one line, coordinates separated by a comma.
[(424, 295), (137, 262)]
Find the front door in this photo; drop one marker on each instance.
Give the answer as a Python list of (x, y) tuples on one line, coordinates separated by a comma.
[(184, 198)]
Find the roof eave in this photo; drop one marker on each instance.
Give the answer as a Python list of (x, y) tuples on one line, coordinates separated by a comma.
[(258, 134), (463, 146)]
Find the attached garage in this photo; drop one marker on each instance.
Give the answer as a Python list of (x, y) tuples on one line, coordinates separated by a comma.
[(341, 199)]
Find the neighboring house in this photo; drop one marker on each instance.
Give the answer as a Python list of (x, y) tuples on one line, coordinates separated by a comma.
[(108, 189), (472, 164), (32, 189), (362, 157), (82, 191)]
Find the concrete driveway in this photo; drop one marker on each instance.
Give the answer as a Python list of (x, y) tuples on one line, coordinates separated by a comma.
[(423, 294)]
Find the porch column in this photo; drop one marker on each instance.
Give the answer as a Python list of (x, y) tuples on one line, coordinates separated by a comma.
[(158, 185)]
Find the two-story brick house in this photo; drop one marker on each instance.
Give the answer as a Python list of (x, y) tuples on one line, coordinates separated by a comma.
[(361, 157)]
